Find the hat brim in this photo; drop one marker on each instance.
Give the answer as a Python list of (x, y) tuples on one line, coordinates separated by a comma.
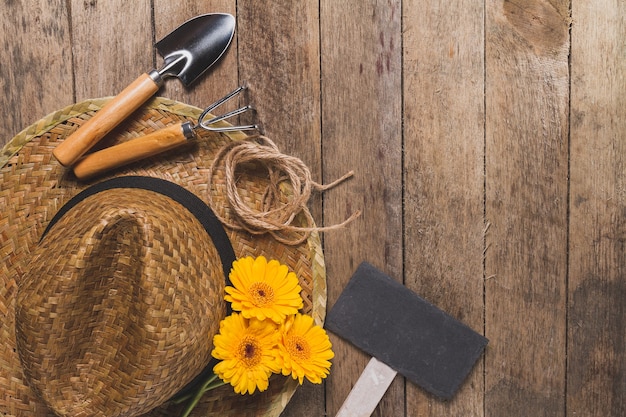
[(33, 186)]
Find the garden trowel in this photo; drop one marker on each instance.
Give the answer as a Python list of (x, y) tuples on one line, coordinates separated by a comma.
[(187, 52), (404, 334)]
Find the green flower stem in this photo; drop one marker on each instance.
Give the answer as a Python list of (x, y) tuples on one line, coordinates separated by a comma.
[(214, 385), (179, 400), (208, 385)]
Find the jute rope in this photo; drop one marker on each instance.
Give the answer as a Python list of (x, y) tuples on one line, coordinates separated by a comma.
[(280, 205)]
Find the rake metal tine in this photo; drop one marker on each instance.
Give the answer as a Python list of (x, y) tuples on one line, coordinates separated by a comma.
[(206, 124)]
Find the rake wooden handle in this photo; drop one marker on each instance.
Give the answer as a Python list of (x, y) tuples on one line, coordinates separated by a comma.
[(131, 151), (112, 114)]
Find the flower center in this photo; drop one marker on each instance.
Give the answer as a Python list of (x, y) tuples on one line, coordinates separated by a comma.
[(298, 347), (249, 351), (262, 293)]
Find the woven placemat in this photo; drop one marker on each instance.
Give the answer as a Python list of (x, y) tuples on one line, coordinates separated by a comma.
[(31, 178)]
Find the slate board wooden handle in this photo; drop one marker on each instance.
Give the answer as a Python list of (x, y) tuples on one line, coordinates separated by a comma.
[(105, 120), (133, 150), (368, 390)]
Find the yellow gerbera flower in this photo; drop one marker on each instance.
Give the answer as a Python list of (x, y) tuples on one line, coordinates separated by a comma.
[(263, 289), (247, 349), (305, 349)]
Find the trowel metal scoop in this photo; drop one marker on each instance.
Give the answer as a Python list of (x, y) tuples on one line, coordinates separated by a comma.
[(188, 51), (160, 141)]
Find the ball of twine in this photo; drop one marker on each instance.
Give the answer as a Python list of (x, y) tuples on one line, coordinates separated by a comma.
[(279, 208)]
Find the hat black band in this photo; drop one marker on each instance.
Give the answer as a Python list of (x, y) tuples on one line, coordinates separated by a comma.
[(187, 199)]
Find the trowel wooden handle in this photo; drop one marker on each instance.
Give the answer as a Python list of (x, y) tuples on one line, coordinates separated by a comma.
[(130, 151), (112, 114)]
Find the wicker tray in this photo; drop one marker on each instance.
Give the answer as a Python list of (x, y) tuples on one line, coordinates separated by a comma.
[(30, 178)]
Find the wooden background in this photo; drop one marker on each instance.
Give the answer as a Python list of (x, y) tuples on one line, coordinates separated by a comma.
[(487, 141)]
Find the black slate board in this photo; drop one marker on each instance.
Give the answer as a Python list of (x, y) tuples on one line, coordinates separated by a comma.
[(415, 338)]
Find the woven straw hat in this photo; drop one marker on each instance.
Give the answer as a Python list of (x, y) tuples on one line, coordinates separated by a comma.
[(111, 290)]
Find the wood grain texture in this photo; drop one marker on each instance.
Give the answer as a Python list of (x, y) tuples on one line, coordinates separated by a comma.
[(596, 373), (279, 58), (362, 131), (527, 106), (444, 174), (457, 119), (116, 45), (36, 68)]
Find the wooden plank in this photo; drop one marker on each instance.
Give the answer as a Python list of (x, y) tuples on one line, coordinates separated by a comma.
[(444, 174), (527, 45), (362, 131), (35, 75), (279, 59), (219, 79), (113, 45), (278, 45), (597, 284), (58, 52)]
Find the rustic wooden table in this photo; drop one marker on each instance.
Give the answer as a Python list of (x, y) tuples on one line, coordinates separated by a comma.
[(487, 141)]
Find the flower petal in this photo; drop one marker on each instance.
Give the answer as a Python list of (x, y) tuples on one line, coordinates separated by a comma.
[(263, 289), (304, 349), (247, 349)]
